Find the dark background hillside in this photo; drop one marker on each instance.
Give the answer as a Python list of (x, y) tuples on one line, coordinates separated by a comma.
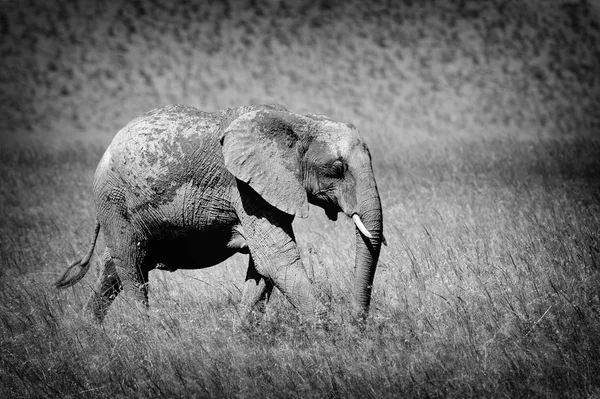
[(399, 67)]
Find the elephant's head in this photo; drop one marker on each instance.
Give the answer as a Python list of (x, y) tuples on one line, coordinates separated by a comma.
[(292, 160)]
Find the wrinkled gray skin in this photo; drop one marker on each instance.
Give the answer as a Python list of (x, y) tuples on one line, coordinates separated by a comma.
[(183, 189)]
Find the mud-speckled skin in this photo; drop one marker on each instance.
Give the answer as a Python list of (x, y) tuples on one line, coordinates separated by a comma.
[(163, 175), (183, 189)]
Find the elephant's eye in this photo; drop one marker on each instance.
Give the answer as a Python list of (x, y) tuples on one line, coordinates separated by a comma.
[(335, 169)]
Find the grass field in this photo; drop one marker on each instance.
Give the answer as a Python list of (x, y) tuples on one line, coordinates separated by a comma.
[(483, 129), (488, 287)]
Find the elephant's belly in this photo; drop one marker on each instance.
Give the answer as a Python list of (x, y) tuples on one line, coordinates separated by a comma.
[(191, 252)]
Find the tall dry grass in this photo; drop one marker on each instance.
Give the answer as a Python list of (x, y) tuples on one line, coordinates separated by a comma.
[(489, 287)]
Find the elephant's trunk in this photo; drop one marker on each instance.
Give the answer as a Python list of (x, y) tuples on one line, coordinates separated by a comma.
[(367, 248)]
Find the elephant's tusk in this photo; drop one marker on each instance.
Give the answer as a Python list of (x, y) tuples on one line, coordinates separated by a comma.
[(359, 225)]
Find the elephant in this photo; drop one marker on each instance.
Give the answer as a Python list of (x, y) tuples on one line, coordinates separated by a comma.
[(179, 188)]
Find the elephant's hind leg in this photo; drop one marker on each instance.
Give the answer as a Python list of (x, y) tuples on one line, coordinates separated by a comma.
[(132, 268), (125, 269), (257, 290), (108, 288)]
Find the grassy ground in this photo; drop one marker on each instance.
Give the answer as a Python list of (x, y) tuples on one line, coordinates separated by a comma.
[(481, 118), (489, 287)]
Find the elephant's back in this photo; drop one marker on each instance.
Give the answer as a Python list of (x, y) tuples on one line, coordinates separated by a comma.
[(168, 147), (155, 143), (162, 168), (164, 125), (158, 155)]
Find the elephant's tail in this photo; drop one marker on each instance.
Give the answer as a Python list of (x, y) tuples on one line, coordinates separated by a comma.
[(67, 279)]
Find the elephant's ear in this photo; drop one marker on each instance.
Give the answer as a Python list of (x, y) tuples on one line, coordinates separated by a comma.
[(260, 149)]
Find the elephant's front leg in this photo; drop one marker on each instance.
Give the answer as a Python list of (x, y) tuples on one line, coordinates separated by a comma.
[(257, 290), (275, 254), (293, 282)]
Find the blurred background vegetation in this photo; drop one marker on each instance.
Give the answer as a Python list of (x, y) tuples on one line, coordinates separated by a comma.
[(412, 68)]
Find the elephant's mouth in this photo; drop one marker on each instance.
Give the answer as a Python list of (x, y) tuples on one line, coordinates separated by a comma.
[(331, 213), (328, 203)]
